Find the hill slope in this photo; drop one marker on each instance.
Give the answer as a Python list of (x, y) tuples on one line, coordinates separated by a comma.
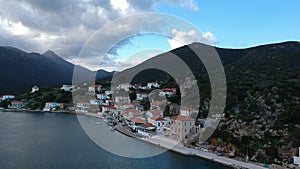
[(20, 70)]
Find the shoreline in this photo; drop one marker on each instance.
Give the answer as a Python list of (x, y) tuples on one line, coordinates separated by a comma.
[(158, 141)]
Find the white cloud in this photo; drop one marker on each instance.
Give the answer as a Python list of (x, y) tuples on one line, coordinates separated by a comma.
[(64, 25), (182, 38)]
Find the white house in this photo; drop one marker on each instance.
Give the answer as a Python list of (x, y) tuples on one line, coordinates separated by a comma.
[(124, 86), (152, 84), (7, 96), (68, 88), (127, 114), (124, 106), (167, 91), (186, 111), (95, 88), (82, 107), (137, 86), (159, 123), (49, 106), (108, 92), (97, 102), (141, 96), (108, 108), (297, 159), (35, 89), (154, 113), (101, 96), (122, 99), (17, 104)]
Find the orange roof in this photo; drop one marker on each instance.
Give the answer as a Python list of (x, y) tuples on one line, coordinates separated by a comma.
[(137, 120), (158, 118), (182, 118), (133, 111), (156, 112), (149, 125)]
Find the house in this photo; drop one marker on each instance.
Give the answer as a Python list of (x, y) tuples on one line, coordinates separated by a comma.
[(49, 106), (124, 106), (109, 101), (82, 107), (96, 102), (124, 86), (297, 159), (167, 91), (186, 111), (68, 88), (152, 84), (95, 88), (141, 96), (108, 108), (17, 104), (35, 89), (108, 92), (154, 113), (136, 121), (137, 86), (181, 127), (122, 99), (101, 96), (129, 113), (160, 123), (146, 129), (157, 104), (7, 96)]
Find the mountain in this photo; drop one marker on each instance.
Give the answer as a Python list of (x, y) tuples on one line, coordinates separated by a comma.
[(262, 112), (20, 70), (263, 61)]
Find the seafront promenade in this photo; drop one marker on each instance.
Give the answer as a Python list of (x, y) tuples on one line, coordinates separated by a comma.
[(179, 148)]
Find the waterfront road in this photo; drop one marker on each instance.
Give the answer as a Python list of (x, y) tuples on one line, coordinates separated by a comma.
[(172, 145)]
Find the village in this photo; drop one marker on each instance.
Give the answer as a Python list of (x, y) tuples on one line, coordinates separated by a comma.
[(134, 110)]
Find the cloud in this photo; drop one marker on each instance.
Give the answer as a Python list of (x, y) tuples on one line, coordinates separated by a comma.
[(182, 38), (64, 25)]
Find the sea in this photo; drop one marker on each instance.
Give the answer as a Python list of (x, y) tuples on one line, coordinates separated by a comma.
[(57, 141)]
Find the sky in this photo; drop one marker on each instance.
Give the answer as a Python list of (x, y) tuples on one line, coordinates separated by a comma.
[(65, 26)]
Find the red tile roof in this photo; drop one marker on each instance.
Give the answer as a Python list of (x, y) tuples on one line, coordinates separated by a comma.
[(149, 125), (183, 118), (158, 118), (137, 120), (133, 111), (156, 112)]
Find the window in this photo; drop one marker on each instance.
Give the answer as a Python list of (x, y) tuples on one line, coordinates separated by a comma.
[(184, 123)]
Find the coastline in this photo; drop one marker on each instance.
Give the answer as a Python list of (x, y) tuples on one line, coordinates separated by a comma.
[(162, 142)]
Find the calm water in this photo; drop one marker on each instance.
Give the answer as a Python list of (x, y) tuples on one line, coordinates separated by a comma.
[(57, 141)]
